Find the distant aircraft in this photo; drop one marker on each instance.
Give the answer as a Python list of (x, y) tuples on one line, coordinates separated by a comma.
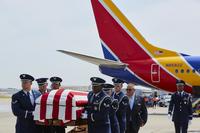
[(130, 57)]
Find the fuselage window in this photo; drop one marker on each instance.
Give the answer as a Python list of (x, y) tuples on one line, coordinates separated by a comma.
[(176, 71), (182, 71), (188, 70)]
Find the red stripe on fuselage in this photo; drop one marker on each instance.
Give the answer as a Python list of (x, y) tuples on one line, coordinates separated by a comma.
[(127, 50)]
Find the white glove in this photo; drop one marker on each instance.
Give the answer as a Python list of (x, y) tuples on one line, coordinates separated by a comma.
[(84, 115), (169, 117), (190, 122)]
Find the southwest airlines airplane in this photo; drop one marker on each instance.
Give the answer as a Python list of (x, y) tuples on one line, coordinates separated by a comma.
[(130, 57)]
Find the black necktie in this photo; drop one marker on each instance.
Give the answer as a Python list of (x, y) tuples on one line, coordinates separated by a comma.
[(92, 98), (116, 97), (28, 95)]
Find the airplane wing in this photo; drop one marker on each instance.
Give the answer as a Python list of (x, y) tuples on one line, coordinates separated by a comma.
[(95, 61)]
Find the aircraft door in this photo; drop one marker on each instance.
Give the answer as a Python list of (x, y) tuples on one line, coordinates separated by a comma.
[(155, 73)]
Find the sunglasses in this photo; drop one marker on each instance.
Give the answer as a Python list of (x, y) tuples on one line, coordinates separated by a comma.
[(180, 85), (129, 89)]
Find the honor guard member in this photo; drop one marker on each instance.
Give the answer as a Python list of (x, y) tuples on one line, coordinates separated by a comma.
[(113, 109), (181, 108), (23, 105), (55, 85), (123, 103), (42, 85), (98, 108)]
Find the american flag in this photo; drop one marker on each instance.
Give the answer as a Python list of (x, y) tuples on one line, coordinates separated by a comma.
[(159, 52), (64, 105)]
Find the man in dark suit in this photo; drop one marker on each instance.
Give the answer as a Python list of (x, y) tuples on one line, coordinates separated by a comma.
[(181, 108), (23, 105), (136, 114)]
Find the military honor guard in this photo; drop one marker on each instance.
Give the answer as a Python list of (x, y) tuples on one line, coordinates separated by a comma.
[(42, 85), (108, 89), (55, 85), (98, 108), (136, 114), (180, 108), (23, 105), (123, 103)]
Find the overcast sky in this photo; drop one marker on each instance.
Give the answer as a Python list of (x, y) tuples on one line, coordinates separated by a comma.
[(32, 30)]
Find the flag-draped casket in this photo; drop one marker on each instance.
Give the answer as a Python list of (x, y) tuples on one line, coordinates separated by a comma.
[(60, 107)]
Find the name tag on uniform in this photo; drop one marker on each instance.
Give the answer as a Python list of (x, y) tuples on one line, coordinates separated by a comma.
[(95, 108)]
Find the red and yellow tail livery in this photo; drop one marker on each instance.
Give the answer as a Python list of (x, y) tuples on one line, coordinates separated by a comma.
[(136, 60)]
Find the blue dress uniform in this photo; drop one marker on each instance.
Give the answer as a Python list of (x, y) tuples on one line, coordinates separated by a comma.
[(113, 109), (181, 109), (98, 110), (121, 112), (22, 108), (113, 117), (123, 104), (41, 82), (98, 114), (57, 129), (42, 128)]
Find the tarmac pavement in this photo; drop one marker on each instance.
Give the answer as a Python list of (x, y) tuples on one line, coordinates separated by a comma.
[(158, 121)]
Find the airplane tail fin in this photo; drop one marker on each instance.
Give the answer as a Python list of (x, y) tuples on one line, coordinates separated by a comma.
[(119, 38)]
